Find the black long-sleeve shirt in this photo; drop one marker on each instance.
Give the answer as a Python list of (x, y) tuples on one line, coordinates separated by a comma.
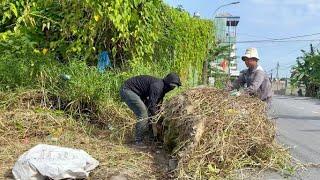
[(151, 89)]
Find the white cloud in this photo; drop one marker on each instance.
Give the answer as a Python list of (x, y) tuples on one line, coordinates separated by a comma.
[(312, 5), (315, 8), (289, 12), (288, 2)]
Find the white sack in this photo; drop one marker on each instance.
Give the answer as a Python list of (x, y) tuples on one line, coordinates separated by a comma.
[(54, 162)]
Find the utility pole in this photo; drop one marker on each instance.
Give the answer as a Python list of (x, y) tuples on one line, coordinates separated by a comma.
[(285, 86), (278, 66), (311, 50), (277, 76)]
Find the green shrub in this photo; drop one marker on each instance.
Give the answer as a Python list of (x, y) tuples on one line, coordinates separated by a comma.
[(51, 40), (141, 36), (21, 63)]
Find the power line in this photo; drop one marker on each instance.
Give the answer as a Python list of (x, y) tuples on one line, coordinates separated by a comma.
[(289, 65), (292, 64), (318, 45), (271, 45), (293, 51), (295, 37), (276, 41), (285, 38), (250, 35), (285, 67)]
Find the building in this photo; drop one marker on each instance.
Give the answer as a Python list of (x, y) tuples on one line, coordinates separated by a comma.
[(226, 35), (196, 14)]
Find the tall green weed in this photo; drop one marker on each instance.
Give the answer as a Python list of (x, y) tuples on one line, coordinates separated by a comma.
[(21, 62)]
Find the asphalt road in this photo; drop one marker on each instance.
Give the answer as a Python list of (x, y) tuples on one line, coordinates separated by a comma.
[(298, 127)]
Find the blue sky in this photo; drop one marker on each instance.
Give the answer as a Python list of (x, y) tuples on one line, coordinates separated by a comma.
[(262, 19)]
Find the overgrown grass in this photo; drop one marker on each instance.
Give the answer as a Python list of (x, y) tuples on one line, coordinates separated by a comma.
[(71, 104), (73, 87), (28, 123), (51, 91)]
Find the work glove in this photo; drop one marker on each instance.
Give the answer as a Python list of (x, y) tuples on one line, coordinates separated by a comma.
[(235, 93)]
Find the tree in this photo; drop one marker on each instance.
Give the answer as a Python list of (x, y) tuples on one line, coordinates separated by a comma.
[(307, 72)]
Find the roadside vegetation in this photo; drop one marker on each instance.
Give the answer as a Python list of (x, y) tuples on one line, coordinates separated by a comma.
[(307, 72), (52, 92)]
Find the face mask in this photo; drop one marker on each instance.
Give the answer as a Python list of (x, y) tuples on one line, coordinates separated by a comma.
[(172, 86)]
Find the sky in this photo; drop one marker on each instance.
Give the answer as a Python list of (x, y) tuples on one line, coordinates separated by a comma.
[(263, 19)]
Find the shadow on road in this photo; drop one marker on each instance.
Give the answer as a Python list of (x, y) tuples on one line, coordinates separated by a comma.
[(294, 98), (296, 117), (282, 97), (310, 130)]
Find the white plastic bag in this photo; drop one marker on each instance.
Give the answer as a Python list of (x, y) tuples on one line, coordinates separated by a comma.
[(54, 162)]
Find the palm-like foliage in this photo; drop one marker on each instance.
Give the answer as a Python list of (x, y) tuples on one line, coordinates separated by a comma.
[(307, 72)]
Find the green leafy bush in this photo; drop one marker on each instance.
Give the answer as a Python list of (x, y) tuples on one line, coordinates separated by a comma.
[(306, 72), (44, 41), (21, 63), (142, 36)]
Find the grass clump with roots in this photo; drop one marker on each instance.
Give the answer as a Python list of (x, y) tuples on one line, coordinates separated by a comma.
[(213, 134)]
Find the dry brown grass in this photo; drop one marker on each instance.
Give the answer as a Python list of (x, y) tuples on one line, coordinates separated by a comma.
[(212, 134), (25, 122)]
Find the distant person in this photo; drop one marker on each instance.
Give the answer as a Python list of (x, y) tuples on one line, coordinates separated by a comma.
[(300, 92), (145, 93), (256, 80)]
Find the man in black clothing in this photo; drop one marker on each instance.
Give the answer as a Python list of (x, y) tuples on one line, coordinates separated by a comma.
[(145, 93)]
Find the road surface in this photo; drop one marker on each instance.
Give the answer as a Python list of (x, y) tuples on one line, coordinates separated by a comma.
[(298, 127)]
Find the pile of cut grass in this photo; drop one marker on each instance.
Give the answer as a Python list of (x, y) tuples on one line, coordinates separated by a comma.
[(213, 134)]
